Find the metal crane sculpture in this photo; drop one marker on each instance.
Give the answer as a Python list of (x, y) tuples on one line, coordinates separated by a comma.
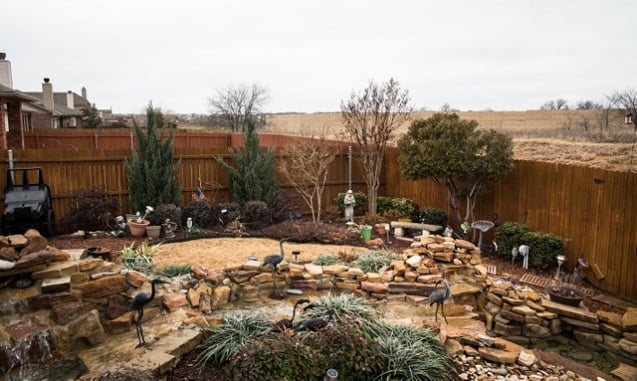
[(273, 260), (139, 302), (284, 324), (312, 324), (439, 296)]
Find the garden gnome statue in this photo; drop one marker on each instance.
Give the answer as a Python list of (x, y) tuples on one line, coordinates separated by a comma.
[(349, 202), (121, 227), (169, 228), (448, 231)]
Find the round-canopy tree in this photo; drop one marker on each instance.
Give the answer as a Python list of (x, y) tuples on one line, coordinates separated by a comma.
[(456, 156)]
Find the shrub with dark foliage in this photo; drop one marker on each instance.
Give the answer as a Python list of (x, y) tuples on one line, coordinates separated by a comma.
[(232, 212), (200, 213), (164, 211), (89, 209), (256, 214)]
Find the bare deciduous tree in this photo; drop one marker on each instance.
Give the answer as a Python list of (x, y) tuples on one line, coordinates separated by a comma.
[(232, 104), (556, 105), (627, 100), (370, 119), (306, 167)]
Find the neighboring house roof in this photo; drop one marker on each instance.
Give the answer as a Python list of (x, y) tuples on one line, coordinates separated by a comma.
[(38, 108), (7, 92), (59, 103)]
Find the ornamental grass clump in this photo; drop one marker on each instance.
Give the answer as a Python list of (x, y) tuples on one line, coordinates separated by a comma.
[(231, 336), (373, 261)]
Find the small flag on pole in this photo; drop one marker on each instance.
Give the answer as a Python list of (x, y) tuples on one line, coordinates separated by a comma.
[(198, 195)]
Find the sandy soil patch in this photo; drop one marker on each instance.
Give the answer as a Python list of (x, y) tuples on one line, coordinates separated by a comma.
[(216, 253)]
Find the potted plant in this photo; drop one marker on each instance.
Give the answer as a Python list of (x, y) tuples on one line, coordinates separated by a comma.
[(138, 225)]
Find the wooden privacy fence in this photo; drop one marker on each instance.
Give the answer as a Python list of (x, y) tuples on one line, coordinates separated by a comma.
[(594, 210)]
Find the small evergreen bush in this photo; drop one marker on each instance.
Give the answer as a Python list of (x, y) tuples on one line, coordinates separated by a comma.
[(151, 172), (543, 249), (510, 235)]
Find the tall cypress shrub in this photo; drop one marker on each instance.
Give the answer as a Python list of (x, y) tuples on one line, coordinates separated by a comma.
[(152, 175), (253, 176)]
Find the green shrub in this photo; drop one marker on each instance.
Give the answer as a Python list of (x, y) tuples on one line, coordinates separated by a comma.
[(543, 249), (394, 208), (405, 206), (433, 216), (152, 171), (164, 211), (510, 235), (360, 208), (372, 261), (383, 204)]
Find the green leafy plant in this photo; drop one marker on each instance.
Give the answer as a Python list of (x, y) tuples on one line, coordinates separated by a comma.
[(232, 335), (373, 261), (172, 271), (343, 306), (433, 216), (139, 257)]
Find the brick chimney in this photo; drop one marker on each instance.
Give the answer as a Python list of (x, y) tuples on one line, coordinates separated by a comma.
[(6, 79), (47, 94), (84, 95)]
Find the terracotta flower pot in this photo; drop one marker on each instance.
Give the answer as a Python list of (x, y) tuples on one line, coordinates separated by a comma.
[(380, 228), (138, 228)]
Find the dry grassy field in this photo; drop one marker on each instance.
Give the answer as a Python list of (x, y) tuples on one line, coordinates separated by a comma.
[(566, 137)]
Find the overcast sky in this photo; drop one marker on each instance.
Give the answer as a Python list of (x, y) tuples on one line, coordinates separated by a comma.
[(310, 55)]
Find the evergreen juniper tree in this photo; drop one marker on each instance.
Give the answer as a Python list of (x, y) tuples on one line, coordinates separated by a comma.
[(152, 175), (253, 177)]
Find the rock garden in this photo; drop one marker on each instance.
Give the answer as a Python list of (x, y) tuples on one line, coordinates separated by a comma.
[(70, 306)]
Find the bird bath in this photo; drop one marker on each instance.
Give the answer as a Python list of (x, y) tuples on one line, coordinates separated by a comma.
[(483, 226)]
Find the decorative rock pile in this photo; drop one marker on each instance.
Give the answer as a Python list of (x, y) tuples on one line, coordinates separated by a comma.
[(86, 299)]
